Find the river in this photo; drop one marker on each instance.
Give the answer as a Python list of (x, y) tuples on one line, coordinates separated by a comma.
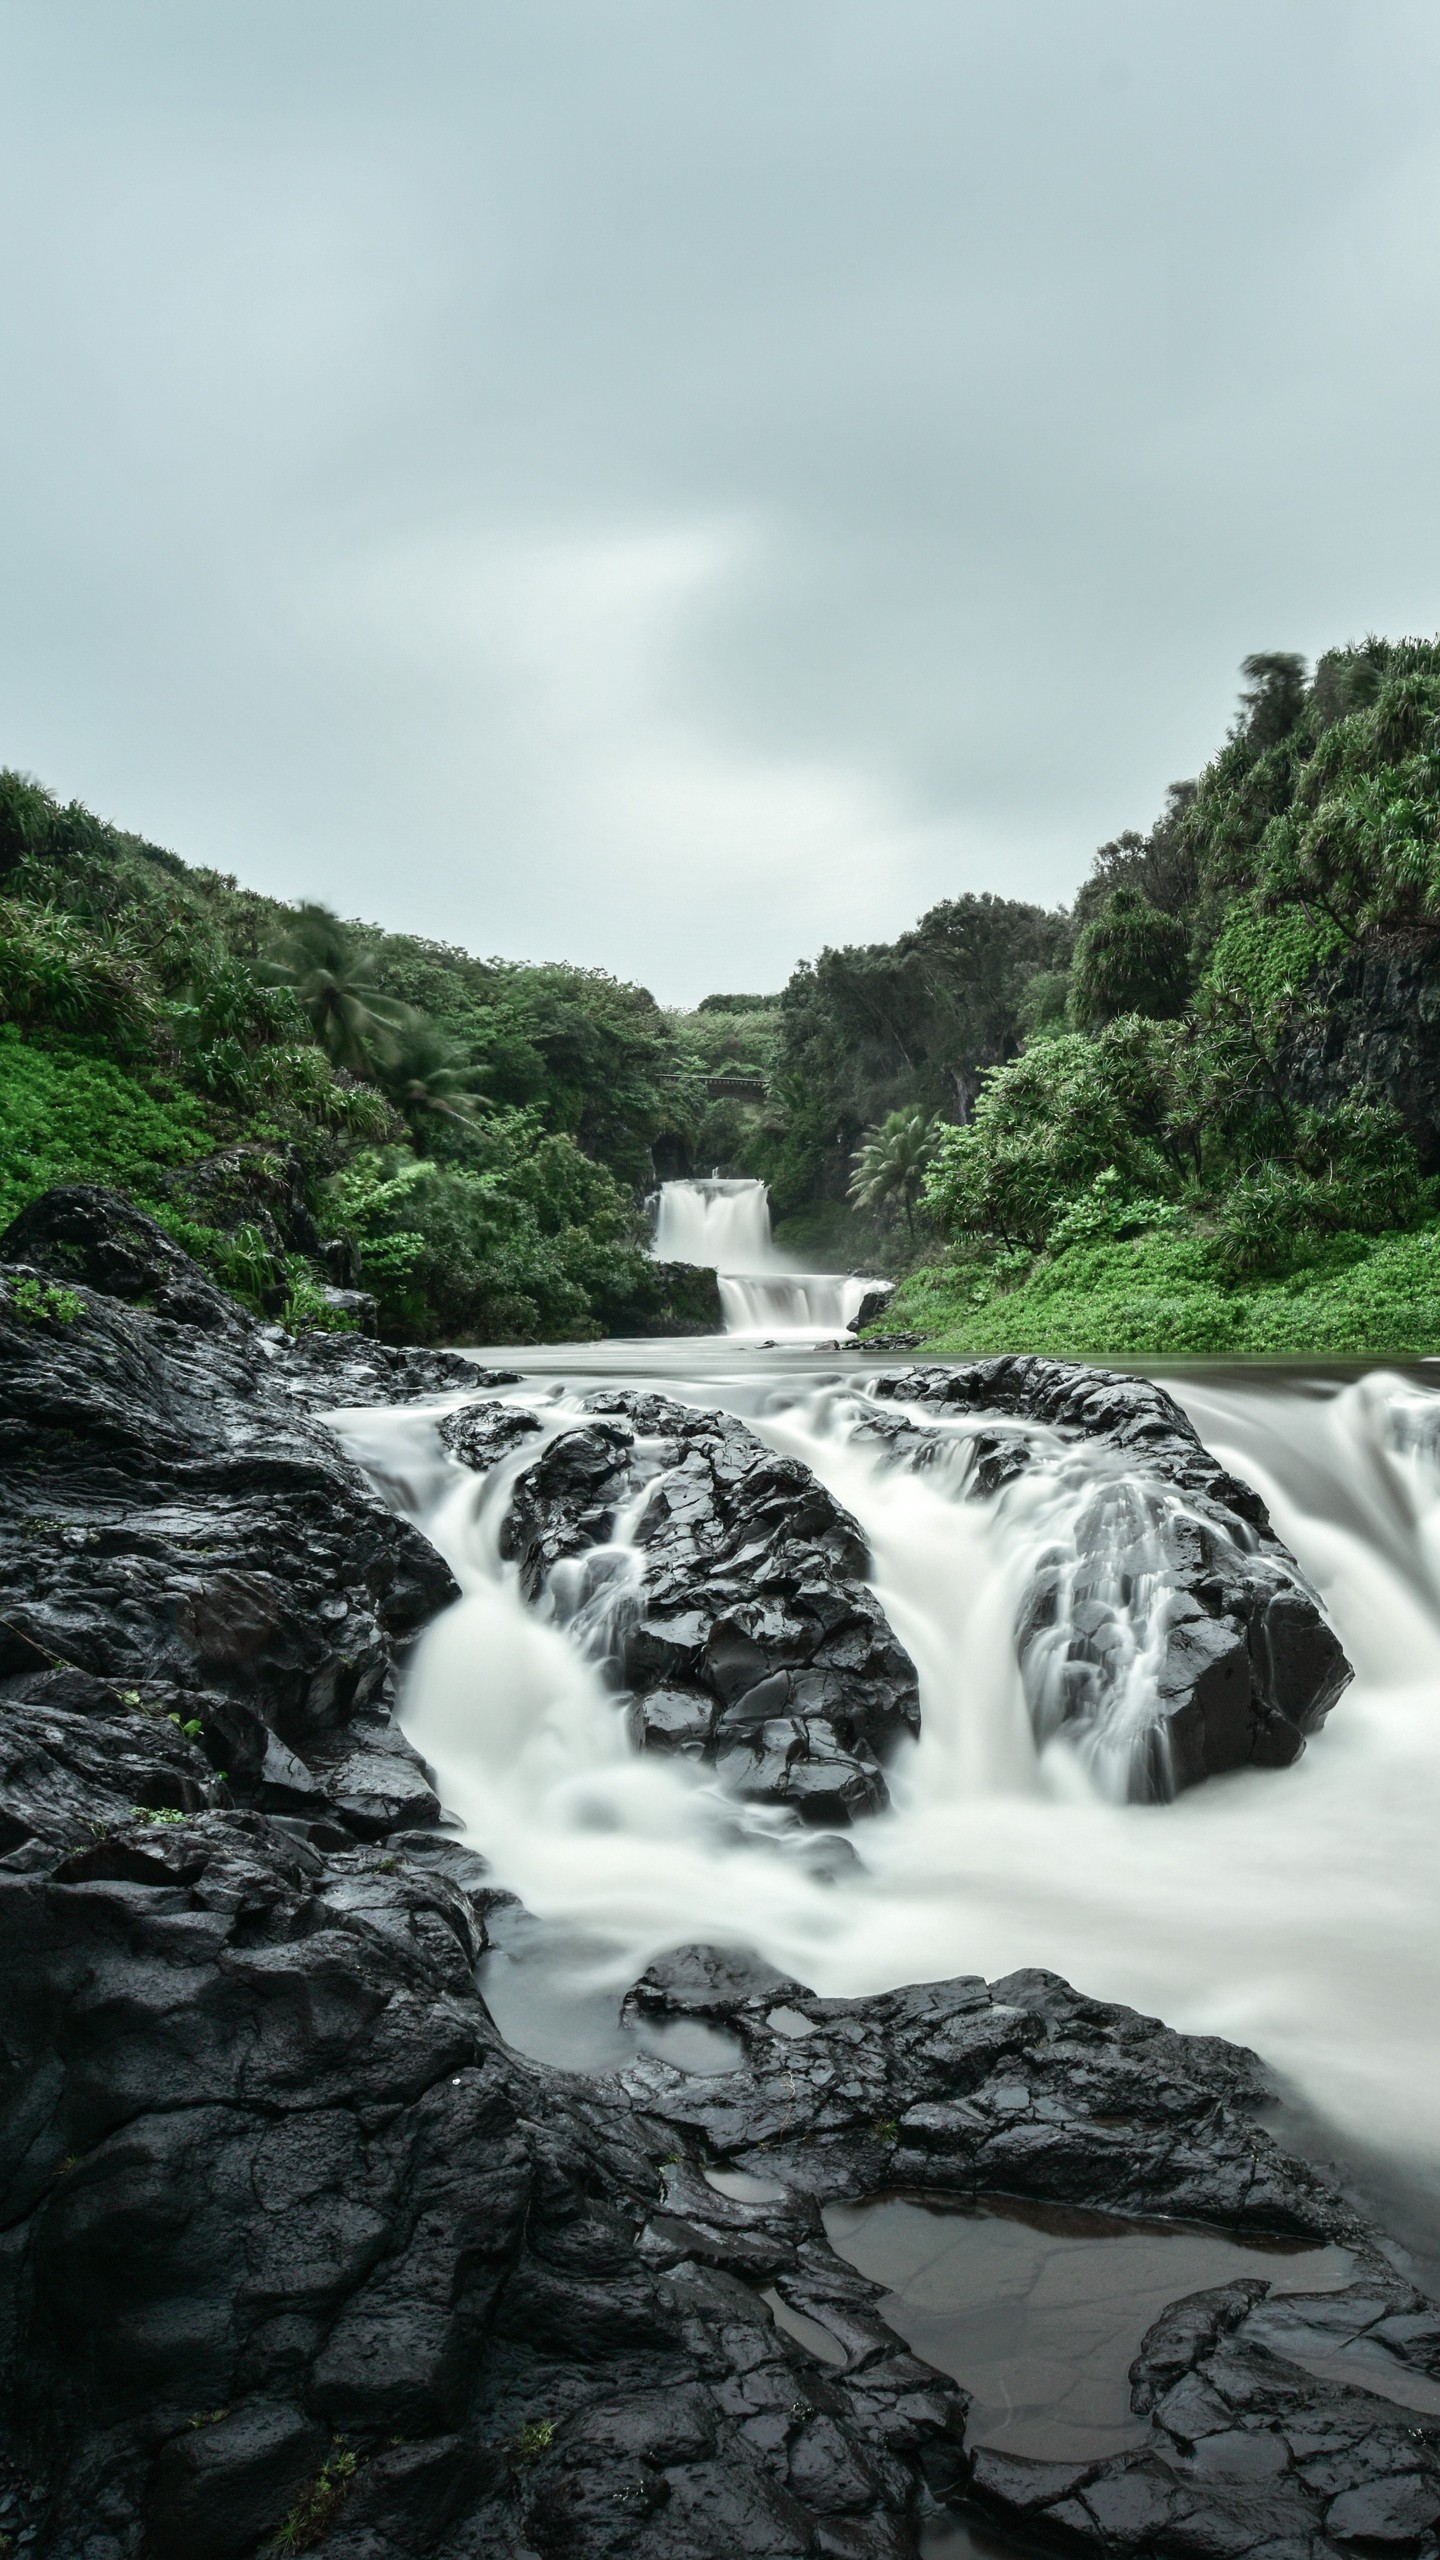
[(1297, 1911)]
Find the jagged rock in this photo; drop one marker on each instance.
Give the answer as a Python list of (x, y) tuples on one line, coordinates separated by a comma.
[(327, 1370), (1241, 1664), (182, 1540), (356, 1310), (276, 2194), (749, 1639), (80, 1232), (873, 1305), (480, 1435), (295, 2246)]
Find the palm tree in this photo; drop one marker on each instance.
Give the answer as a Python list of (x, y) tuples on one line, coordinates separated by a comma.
[(333, 977), (428, 1077), (893, 1161)]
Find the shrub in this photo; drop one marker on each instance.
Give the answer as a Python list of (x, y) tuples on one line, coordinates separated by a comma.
[(1046, 1125), (69, 1116), (41, 1302), (56, 976), (1131, 958)]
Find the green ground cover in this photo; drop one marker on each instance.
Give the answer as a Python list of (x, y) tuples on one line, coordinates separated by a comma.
[(1145, 1296)]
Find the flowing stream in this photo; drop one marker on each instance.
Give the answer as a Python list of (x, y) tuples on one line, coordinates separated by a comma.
[(1295, 1910), (725, 1224)]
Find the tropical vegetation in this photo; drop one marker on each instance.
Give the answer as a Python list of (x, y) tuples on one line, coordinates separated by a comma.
[(1107, 1128)]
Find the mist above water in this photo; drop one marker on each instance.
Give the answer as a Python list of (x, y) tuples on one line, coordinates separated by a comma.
[(1296, 1910)]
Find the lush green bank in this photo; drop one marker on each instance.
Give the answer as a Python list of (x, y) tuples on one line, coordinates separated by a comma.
[(1373, 1297)]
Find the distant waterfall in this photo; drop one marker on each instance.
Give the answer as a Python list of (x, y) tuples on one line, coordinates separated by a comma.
[(726, 1225)]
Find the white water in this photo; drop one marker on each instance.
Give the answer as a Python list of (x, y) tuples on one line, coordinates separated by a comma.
[(1297, 1910), (722, 1224), (726, 1225)]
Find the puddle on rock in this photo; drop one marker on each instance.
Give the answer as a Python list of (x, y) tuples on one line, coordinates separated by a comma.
[(1040, 2312), (539, 1984)]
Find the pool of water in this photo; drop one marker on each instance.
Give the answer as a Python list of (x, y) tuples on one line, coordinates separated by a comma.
[(1040, 2312)]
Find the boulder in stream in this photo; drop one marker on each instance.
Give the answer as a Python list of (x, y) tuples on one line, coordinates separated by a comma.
[(722, 1586), (1164, 1628)]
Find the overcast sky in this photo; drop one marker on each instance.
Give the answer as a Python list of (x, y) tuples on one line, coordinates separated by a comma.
[(670, 483)]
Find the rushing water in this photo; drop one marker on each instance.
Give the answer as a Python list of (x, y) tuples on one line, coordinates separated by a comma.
[(725, 1224), (1297, 1910)]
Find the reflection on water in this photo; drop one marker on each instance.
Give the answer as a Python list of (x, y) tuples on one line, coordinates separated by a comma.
[(1040, 2313)]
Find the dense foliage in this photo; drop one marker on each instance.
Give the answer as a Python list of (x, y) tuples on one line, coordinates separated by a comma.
[(1157, 1151), (302, 1100), (1023, 1108)]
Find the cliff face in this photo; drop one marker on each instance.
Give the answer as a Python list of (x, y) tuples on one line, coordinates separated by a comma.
[(1373, 1032)]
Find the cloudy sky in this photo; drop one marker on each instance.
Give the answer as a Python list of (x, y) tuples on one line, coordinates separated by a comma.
[(670, 483)]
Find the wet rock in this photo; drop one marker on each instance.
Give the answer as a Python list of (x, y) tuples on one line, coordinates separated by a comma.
[(873, 1305), (329, 1370), (1165, 1629), (185, 1551), (480, 1435), (296, 2247), (288, 2225), (354, 1310), (736, 1618), (79, 1232)]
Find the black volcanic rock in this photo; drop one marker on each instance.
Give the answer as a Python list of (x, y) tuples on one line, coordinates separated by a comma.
[(181, 1544), (299, 2254), (480, 1435), (1369, 1031), (873, 1305), (78, 1231), (288, 2226), (1245, 1664), (747, 1638)]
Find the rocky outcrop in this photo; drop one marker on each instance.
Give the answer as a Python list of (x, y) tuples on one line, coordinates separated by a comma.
[(1371, 1031), (1156, 1544), (184, 1550), (873, 1305), (666, 1298), (299, 2255), (295, 2246), (736, 1619), (81, 1232)]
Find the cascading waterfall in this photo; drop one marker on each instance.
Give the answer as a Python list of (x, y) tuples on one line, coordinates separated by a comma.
[(725, 1224), (720, 1223), (1297, 1910)]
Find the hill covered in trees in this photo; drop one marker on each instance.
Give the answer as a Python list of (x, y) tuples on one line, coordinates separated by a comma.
[(1198, 1110), (308, 1105), (1207, 1117)]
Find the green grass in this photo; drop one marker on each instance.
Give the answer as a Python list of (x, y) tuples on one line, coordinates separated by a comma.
[(1363, 1296)]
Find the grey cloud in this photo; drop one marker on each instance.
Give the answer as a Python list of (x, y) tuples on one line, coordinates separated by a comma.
[(670, 485)]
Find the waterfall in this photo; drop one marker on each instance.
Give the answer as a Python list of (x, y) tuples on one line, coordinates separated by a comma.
[(726, 1225), (794, 1306), (1297, 1910)]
